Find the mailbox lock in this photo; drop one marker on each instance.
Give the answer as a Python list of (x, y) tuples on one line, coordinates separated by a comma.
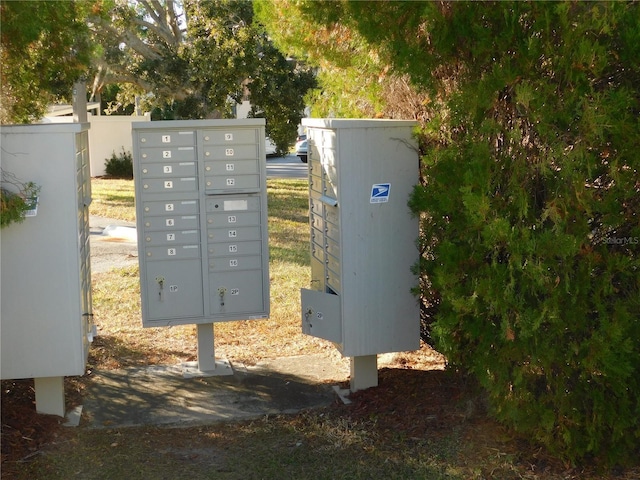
[(160, 281), (221, 292), (307, 316)]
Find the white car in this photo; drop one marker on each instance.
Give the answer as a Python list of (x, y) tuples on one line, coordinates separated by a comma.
[(269, 147), (301, 150)]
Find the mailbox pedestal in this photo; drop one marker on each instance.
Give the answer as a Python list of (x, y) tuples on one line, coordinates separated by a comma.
[(201, 209), (363, 240)]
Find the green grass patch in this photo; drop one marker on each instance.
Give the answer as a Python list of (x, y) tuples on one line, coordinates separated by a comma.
[(113, 198), (312, 446)]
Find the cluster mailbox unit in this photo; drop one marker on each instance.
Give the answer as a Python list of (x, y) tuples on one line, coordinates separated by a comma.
[(201, 209), (46, 315), (363, 240)]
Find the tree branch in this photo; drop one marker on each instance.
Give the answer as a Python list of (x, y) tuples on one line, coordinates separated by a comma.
[(165, 33), (173, 20), (163, 16), (128, 38)]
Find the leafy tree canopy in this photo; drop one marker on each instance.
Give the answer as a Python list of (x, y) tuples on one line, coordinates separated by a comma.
[(529, 195), (195, 59), (44, 49)]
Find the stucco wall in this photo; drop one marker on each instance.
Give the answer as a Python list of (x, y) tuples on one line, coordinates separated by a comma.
[(108, 134)]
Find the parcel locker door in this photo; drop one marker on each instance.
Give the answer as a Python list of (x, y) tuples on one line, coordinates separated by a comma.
[(321, 315), (237, 293), (174, 291)]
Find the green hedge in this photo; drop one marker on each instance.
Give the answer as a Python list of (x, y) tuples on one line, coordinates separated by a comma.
[(120, 166), (530, 211), (529, 197)]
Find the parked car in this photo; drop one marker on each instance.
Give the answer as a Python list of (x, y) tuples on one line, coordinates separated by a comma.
[(270, 147), (301, 150)]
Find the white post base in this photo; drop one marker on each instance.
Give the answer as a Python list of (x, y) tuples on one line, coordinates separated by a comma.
[(364, 372), (50, 395), (207, 365)]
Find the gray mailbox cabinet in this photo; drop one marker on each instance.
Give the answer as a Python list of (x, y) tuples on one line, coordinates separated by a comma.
[(363, 240), (46, 314), (201, 207)]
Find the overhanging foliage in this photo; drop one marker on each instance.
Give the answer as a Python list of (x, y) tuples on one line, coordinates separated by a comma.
[(529, 199)]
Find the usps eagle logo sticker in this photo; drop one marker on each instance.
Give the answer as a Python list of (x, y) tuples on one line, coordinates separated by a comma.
[(380, 193)]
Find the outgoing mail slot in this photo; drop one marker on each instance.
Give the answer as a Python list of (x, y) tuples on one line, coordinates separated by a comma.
[(331, 215)]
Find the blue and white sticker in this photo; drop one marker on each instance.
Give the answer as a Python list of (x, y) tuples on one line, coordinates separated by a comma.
[(380, 193)]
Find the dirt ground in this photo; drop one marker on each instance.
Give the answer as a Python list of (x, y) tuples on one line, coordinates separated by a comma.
[(416, 403)]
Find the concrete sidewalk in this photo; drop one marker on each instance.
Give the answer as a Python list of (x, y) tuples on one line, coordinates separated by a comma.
[(161, 395), (113, 244)]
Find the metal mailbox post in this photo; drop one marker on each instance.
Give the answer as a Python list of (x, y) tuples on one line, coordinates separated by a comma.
[(201, 209), (363, 240)]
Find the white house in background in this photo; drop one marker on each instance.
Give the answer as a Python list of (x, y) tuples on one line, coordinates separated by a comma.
[(112, 133), (108, 133)]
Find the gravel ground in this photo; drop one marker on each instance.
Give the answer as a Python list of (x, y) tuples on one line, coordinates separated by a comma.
[(113, 244)]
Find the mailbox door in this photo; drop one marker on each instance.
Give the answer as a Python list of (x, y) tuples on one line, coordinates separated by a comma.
[(321, 315)]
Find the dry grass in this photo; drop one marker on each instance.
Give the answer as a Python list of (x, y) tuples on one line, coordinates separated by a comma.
[(113, 198)]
